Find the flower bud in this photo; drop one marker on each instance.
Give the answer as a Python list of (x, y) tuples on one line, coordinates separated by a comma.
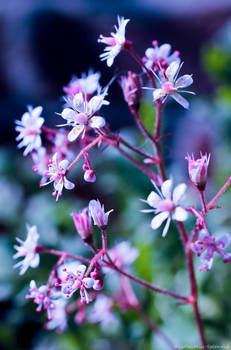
[(131, 89), (98, 214), (89, 175), (198, 169), (83, 225)]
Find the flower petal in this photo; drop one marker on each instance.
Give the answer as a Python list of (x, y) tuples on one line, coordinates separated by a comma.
[(97, 122), (79, 103), (68, 114), (75, 132), (184, 81), (180, 214), (180, 99), (68, 184), (164, 50), (88, 282), (158, 219), (153, 199), (158, 93), (178, 193), (81, 270), (172, 70), (166, 227), (166, 188)]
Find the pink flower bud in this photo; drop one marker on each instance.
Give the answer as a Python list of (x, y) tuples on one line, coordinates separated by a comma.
[(89, 175), (83, 225), (98, 214), (131, 89), (198, 169), (98, 284)]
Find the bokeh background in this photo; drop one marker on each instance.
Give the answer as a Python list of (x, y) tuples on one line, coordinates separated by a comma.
[(42, 44)]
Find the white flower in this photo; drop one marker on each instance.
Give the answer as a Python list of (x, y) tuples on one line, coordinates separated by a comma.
[(81, 114), (27, 250), (170, 85), (88, 83), (115, 41), (158, 57), (58, 316), (123, 254), (29, 129), (166, 205), (75, 280), (56, 173), (98, 214)]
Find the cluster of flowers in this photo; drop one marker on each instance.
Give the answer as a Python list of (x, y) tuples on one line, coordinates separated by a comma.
[(83, 101), (72, 276)]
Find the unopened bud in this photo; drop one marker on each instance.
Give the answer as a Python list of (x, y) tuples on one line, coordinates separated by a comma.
[(89, 176), (131, 89), (83, 225), (198, 169)]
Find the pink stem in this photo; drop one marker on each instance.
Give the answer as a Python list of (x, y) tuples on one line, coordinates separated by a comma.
[(83, 151), (141, 63), (145, 283), (41, 249), (193, 284), (219, 194), (157, 139), (146, 171)]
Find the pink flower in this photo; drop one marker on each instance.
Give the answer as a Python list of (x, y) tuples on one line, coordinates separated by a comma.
[(131, 89), (75, 280), (166, 205), (115, 42), (27, 250), (56, 173), (29, 129), (58, 316), (170, 85), (98, 214), (41, 160), (81, 114), (101, 311), (158, 58), (83, 225), (198, 169), (87, 84), (89, 175), (41, 298), (208, 245), (123, 254)]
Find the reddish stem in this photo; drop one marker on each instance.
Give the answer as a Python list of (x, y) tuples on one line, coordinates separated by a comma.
[(219, 194), (83, 151), (193, 284), (157, 139)]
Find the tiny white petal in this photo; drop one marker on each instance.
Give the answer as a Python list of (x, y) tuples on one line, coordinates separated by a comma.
[(180, 214), (178, 193), (97, 122), (153, 199), (75, 132), (159, 219), (184, 81), (181, 100), (166, 188), (172, 70), (158, 93)]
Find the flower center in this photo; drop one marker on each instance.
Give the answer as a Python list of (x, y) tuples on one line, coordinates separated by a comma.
[(168, 87), (166, 205), (82, 119)]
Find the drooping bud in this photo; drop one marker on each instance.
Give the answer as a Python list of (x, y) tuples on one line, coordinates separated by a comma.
[(83, 226), (198, 169), (131, 89), (89, 175), (96, 275)]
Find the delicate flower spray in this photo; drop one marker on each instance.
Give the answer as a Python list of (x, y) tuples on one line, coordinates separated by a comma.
[(75, 281)]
